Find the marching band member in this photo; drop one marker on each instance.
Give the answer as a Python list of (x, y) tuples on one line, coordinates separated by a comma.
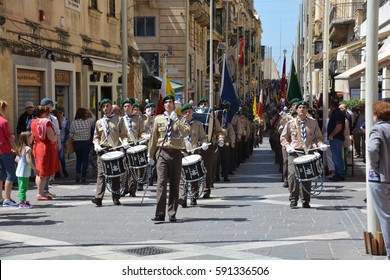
[(210, 155), (165, 144), (196, 138), (224, 155), (109, 130), (300, 134), (150, 114), (237, 127)]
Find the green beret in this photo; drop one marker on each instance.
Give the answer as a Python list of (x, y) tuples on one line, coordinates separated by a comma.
[(294, 113), (203, 99), (127, 100), (185, 107), (104, 101), (303, 102), (136, 104), (292, 101), (150, 104), (168, 96)]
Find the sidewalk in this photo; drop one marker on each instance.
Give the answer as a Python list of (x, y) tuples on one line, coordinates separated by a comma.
[(247, 218)]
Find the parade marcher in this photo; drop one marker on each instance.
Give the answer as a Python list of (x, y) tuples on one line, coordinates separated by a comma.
[(378, 148), (209, 156), (150, 114), (80, 131), (237, 127), (196, 138), (298, 135), (64, 124), (7, 163), (26, 118), (223, 165), (166, 142), (110, 132)]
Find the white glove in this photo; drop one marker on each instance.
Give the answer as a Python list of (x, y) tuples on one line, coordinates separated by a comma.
[(151, 161), (290, 150), (98, 148), (227, 144), (220, 143), (126, 145), (204, 146), (350, 148), (173, 116), (323, 147)]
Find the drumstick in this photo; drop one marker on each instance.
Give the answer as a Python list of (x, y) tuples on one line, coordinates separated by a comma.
[(192, 150)]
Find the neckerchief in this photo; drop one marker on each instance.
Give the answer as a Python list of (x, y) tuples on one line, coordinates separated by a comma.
[(107, 127)]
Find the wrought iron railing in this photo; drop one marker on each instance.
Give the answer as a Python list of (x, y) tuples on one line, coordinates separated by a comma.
[(344, 11)]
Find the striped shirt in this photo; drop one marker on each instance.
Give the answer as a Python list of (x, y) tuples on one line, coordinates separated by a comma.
[(80, 129)]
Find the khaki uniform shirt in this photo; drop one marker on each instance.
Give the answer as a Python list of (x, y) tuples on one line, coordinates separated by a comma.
[(237, 126), (149, 124), (230, 135), (292, 135), (196, 137), (180, 129), (218, 133), (118, 132), (137, 127)]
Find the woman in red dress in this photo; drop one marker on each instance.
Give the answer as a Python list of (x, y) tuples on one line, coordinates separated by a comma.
[(44, 150)]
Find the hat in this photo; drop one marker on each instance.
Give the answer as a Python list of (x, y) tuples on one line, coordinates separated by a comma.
[(203, 99), (47, 101), (136, 105), (302, 102), (185, 107), (292, 101), (127, 100), (104, 101), (168, 96), (294, 113), (29, 104), (150, 104)]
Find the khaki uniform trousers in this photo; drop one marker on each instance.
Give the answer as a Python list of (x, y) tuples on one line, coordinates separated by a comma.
[(210, 163)]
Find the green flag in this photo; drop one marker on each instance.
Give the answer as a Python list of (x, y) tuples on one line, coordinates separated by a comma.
[(294, 89)]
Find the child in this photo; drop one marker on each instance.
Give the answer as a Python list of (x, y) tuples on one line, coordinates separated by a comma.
[(25, 164)]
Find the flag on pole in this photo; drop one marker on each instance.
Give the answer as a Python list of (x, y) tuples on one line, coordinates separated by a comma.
[(260, 106), (166, 88), (294, 89), (254, 106), (227, 91)]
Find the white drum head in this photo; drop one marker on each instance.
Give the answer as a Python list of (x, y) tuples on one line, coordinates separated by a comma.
[(304, 159), (189, 160), (136, 149), (112, 155)]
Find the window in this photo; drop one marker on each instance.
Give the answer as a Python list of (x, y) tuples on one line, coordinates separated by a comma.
[(145, 26), (111, 8), (94, 4)]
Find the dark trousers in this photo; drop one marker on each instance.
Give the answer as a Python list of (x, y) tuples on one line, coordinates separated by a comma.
[(224, 159), (168, 166), (294, 186), (82, 149), (210, 162)]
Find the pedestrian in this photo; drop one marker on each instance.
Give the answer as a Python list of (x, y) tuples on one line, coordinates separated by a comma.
[(299, 135), (7, 157), (44, 150), (110, 132), (25, 165), (26, 118), (64, 125), (80, 131), (166, 142), (379, 174)]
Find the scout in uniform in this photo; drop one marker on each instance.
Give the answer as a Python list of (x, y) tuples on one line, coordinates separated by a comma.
[(300, 134), (110, 131), (166, 142)]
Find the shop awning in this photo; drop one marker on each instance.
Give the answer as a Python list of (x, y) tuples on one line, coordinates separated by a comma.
[(177, 87), (103, 65), (342, 80)]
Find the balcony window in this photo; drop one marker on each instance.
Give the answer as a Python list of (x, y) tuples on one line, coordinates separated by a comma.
[(94, 4), (145, 26), (111, 8)]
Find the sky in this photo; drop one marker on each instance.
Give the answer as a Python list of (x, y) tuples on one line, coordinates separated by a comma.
[(279, 19)]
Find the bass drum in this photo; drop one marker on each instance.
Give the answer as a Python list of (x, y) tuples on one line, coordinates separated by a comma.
[(206, 117)]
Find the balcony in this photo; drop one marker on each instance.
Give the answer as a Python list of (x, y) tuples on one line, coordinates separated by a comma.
[(343, 18), (349, 60), (200, 10)]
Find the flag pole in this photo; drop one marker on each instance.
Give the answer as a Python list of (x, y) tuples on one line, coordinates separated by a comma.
[(211, 84), (124, 49)]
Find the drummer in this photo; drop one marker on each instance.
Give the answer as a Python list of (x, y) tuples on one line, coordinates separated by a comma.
[(166, 142), (149, 116), (109, 132), (196, 139), (134, 127), (210, 155), (299, 135)]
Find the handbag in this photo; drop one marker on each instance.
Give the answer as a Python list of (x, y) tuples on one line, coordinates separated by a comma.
[(69, 148)]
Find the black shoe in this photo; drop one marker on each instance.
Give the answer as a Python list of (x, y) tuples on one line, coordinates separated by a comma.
[(231, 173), (66, 174), (172, 219), (124, 193), (285, 185), (97, 201), (132, 194), (158, 219), (226, 179), (293, 204), (140, 188), (337, 178), (217, 179), (193, 201), (306, 205), (183, 202), (206, 195), (116, 202)]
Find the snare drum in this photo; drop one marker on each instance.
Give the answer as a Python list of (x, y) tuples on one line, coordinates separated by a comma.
[(206, 117), (307, 167), (137, 156), (113, 163), (193, 168)]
